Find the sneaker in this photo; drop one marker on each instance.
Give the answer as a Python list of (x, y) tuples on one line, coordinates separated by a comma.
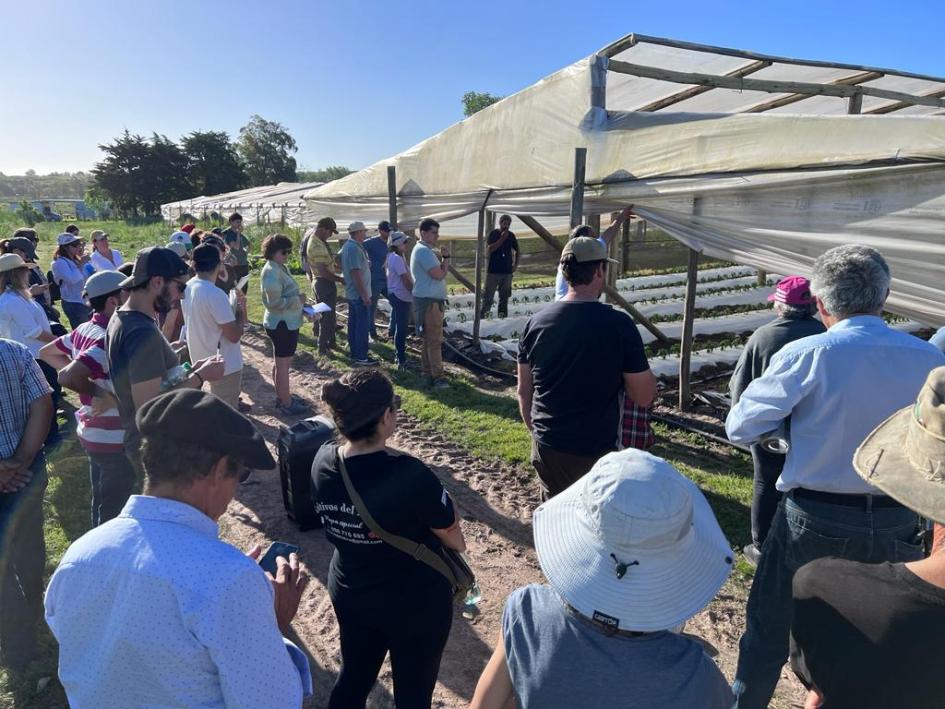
[(243, 406), (293, 409), (440, 384), (366, 362), (752, 554)]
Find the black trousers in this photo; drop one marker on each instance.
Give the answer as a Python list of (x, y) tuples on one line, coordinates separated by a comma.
[(52, 378), (558, 470), (413, 626), (324, 328), (765, 497)]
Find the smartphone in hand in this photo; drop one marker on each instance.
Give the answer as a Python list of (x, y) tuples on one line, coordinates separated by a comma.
[(275, 550)]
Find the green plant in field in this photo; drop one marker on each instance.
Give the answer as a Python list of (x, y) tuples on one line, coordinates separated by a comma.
[(28, 213)]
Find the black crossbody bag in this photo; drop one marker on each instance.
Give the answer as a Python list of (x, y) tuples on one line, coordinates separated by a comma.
[(450, 563)]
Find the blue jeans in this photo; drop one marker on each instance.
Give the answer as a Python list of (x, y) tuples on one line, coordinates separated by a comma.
[(359, 316), (22, 560), (77, 313), (804, 530), (400, 321), (113, 482)]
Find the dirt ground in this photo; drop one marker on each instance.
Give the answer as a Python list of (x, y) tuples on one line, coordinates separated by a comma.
[(495, 501)]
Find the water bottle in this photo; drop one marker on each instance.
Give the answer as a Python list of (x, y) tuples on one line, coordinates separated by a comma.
[(175, 377), (473, 595)]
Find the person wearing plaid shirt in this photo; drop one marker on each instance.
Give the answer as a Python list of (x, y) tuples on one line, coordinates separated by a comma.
[(25, 411)]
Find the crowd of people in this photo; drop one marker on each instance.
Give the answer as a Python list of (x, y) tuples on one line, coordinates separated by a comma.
[(150, 607)]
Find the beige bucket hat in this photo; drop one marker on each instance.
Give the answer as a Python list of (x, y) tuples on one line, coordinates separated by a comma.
[(905, 455)]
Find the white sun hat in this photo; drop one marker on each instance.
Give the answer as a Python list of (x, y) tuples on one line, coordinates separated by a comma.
[(633, 544)]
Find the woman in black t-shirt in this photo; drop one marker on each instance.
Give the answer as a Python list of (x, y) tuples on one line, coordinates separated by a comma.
[(384, 599)]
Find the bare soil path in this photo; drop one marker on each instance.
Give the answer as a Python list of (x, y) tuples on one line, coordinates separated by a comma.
[(495, 501)]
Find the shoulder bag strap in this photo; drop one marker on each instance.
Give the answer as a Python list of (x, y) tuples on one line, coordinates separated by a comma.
[(417, 550)]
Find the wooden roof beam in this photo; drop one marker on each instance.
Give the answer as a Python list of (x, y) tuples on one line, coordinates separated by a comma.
[(744, 70), (889, 108), (632, 40), (853, 80), (768, 86)]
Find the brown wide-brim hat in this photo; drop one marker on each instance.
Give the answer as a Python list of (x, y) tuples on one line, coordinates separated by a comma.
[(905, 455)]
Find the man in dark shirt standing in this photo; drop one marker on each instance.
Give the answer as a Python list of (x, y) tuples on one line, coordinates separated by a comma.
[(502, 248), (575, 358), (377, 248), (139, 357), (870, 635), (795, 307), (237, 257)]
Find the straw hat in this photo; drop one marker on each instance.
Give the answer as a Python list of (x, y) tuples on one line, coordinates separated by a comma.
[(905, 455), (633, 544), (10, 262)]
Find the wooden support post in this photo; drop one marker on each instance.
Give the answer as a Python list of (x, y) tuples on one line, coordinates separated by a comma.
[(762, 277), (392, 195), (480, 257), (462, 279), (577, 187), (612, 293), (689, 308), (855, 103), (625, 247)]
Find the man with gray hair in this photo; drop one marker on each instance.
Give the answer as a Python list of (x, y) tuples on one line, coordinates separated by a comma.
[(835, 387), (795, 309)]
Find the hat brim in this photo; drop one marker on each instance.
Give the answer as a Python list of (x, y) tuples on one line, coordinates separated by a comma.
[(881, 461), (667, 587)]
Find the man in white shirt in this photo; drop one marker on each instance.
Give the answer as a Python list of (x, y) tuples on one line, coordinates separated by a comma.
[(152, 608), (212, 326)]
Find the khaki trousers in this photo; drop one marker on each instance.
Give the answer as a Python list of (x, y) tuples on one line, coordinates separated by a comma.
[(431, 353), (229, 388)]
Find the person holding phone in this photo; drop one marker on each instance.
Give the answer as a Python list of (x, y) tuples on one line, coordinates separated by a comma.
[(152, 608), (385, 600)]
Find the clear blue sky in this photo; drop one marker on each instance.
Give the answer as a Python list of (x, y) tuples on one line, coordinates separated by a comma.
[(355, 81)]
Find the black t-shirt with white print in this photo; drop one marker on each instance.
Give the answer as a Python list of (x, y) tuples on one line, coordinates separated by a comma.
[(404, 497)]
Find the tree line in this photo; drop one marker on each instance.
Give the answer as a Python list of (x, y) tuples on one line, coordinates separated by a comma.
[(138, 174)]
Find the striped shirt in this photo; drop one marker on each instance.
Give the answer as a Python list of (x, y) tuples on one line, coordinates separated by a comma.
[(86, 344), (21, 383)]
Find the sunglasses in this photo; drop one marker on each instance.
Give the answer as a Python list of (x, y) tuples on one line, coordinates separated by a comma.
[(285, 252), (395, 403), (181, 286)]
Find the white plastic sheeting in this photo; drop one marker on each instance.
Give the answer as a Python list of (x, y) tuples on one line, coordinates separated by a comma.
[(281, 203), (773, 190)]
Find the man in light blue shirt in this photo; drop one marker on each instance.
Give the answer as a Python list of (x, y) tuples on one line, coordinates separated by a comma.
[(834, 388), (151, 608), (356, 268), (606, 238), (429, 270)]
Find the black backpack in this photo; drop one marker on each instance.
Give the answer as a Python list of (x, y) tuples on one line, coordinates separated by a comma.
[(54, 293)]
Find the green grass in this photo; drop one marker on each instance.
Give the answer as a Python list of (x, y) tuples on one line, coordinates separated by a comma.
[(486, 423)]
